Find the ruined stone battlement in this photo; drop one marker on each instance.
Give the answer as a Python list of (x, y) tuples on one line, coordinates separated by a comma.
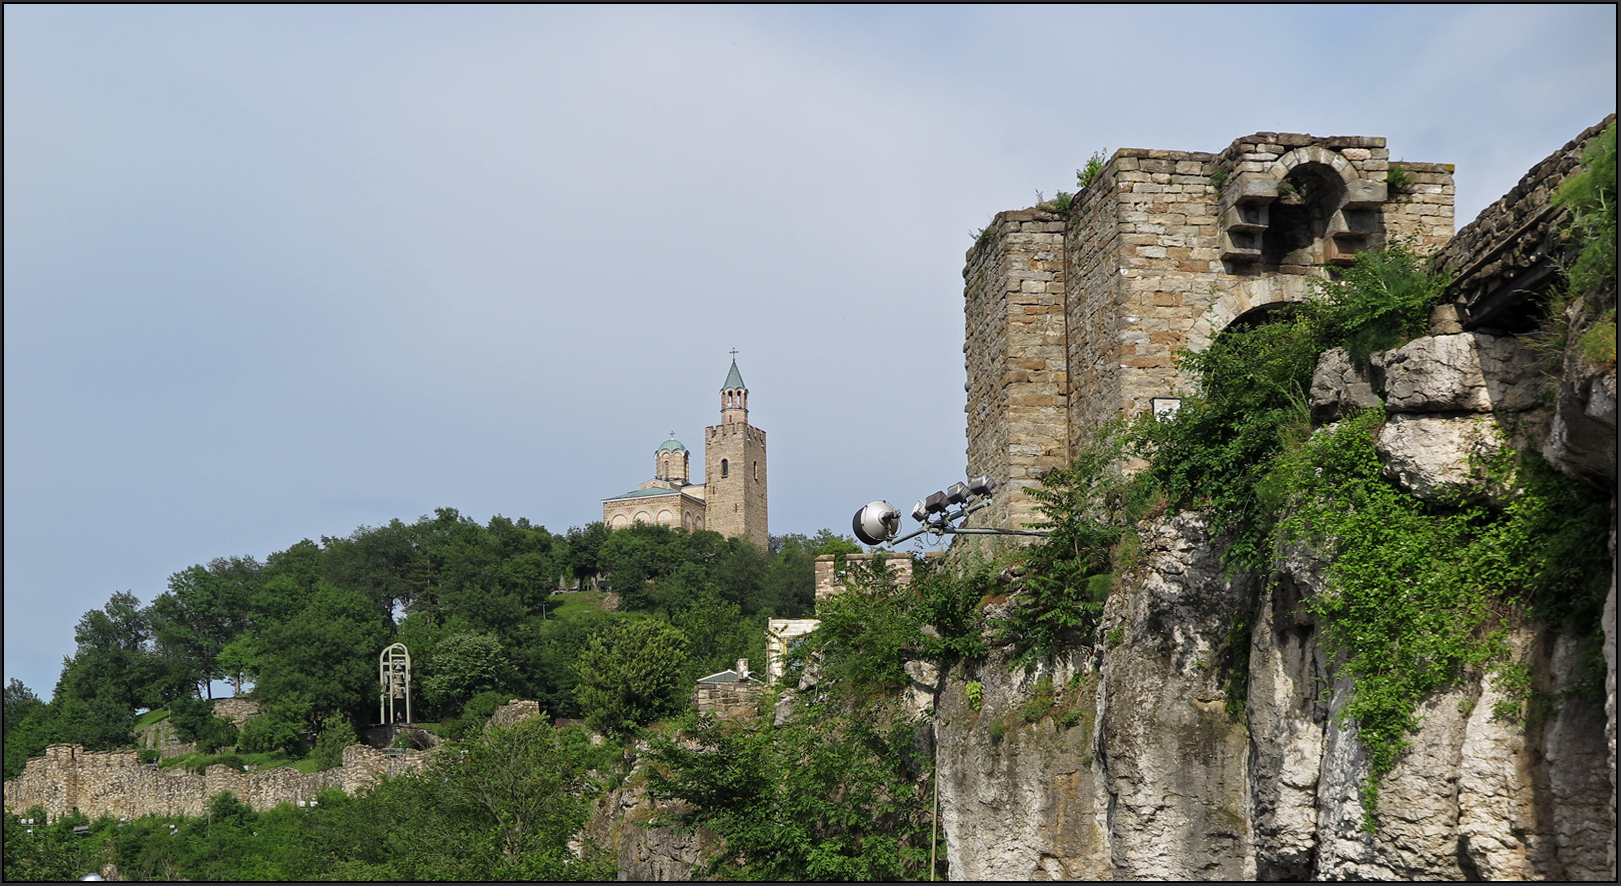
[(71, 779)]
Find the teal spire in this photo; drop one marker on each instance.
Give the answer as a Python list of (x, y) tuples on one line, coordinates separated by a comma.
[(734, 379)]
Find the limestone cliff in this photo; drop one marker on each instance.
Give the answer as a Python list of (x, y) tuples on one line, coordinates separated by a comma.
[(1156, 776)]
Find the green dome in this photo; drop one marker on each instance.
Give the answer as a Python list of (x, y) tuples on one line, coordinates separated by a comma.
[(671, 445)]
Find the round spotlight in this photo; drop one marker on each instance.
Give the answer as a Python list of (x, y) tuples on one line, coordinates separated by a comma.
[(876, 523)]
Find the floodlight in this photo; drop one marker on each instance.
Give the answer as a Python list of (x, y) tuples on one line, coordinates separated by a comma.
[(876, 523), (935, 503), (919, 512), (981, 485), (956, 494)]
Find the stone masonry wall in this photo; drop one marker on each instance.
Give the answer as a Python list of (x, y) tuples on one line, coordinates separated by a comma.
[(97, 783), (1093, 309), (1160, 253), (728, 701), (829, 581), (1514, 238), (1014, 357), (162, 737)]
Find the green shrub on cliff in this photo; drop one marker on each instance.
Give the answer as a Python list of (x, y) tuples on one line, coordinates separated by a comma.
[(1415, 590), (1590, 195)]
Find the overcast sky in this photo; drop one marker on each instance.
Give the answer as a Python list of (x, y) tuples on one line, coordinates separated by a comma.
[(272, 273)]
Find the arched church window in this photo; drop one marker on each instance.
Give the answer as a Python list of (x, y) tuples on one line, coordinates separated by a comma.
[(725, 468)]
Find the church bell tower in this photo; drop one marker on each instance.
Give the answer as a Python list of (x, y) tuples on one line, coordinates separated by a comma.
[(735, 469)]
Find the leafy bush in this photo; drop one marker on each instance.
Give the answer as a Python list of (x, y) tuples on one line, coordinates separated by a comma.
[(1398, 178), (1415, 590), (337, 733), (482, 706), (1089, 173), (1590, 196), (1251, 407), (1597, 344), (948, 601), (839, 792), (867, 632), (632, 676), (1069, 573), (278, 727), (1040, 702)]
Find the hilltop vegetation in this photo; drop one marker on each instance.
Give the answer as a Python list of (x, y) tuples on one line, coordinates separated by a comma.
[(475, 605)]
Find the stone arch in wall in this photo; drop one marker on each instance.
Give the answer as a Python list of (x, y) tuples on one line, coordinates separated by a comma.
[(642, 517), (1311, 207), (1309, 199), (666, 518), (1332, 204), (1245, 299), (620, 521)]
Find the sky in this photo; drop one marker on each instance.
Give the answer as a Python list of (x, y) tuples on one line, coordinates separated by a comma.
[(275, 273)]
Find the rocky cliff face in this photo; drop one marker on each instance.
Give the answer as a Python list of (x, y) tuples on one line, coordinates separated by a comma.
[(1132, 758), (1151, 776)]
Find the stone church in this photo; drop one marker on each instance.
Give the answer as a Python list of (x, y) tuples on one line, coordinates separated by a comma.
[(732, 498)]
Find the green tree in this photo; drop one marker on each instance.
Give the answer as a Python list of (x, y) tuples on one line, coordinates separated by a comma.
[(632, 676), (504, 809), (201, 612), (337, 733), (43, 852), (378, 562), (462, 666), (20, 701), (583, 546), (112, 661), (278, 727), (327, 653)]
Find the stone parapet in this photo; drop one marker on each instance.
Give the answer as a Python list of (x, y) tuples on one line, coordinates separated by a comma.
[(512, 712), (1513, 247)]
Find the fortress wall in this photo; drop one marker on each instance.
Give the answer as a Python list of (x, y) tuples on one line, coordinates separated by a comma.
[(1513, 234), (1015, 357), (1169, 266), (1092, 304), (1422, 214), (98, 783), (829, 582), (1162, 252), (728, 701)]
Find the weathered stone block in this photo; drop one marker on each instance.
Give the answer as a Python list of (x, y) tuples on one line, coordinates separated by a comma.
[(1471, 372)]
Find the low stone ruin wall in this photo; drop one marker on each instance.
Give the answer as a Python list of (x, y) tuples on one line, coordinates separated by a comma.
[(96, 783), (727, 701)]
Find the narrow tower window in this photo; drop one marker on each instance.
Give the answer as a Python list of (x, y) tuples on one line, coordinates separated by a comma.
[(725, 468)]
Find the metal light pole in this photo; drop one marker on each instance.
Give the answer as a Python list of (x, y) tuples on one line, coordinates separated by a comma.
[(879, 522)]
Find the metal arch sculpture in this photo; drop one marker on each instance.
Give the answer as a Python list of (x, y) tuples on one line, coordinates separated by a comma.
[(394, 675)]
